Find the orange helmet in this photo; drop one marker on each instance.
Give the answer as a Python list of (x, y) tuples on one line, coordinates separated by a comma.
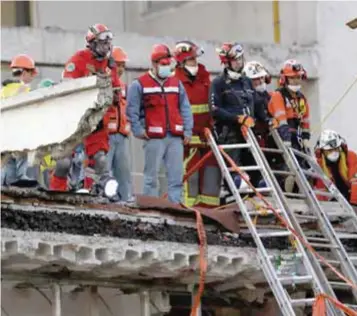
[(161, 53), (23, 61), (292, 68), (186, 50), (119, 55), (98, 31)]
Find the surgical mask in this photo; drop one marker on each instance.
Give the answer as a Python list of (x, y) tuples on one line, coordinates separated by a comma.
[(261, 88), (192, 70), (164, 71), (333, 156), (294, 88), (233, 74)]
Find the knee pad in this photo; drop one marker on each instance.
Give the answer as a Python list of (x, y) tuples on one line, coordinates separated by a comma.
[(63, 167)]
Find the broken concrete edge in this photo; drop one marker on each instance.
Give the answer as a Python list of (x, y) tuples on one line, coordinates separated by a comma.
[(87, 123), (42, 45), (110, 260)]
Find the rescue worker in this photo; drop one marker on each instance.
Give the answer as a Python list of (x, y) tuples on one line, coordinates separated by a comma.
[(96, 58), (290, 107), (23, 73), (203, 187), (160, 114), (16, 171), (260, 77), (338, 163), (232, 102), (115, 121)]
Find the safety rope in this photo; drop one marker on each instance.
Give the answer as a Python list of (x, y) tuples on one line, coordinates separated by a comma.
[(317, 128), (319, 307), (203, 259)]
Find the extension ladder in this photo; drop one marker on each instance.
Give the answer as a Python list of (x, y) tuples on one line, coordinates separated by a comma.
[(330, 238), (315, 277)]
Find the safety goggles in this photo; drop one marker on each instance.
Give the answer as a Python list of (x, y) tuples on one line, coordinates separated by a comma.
[(188, 48), (105, 36)]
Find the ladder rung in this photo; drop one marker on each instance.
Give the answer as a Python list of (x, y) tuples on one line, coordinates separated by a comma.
[(296, 279), (352, 306), (336, 284), (235, 146), (295, 195), (286, 256), (302, 216), (261, 190), (317, 239), (332, 262), (315, 245), (324, 193), (246, 168), (302, 302), (275, 234), (284, 173), (272, 150), (346, 236), (311, 174)]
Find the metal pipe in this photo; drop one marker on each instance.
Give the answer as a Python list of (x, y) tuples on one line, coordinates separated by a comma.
[(276, 21), (56, 305)]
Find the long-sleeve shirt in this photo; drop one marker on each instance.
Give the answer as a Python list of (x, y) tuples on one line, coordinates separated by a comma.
[(136, 115)]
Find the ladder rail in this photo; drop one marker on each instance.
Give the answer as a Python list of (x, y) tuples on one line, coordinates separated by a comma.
[(266, 265), (320, 283), (331, 187), (326, 227)]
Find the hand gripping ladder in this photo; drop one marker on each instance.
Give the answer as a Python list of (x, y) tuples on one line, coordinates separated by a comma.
[(309, 194), (318, 282)]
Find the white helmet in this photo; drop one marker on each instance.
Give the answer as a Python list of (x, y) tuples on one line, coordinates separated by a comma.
[(254, 69), (329, 140)]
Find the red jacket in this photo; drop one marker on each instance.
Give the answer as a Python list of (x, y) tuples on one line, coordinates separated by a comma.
[(197, 92), (115, 120), (161, 106), (347, 166)]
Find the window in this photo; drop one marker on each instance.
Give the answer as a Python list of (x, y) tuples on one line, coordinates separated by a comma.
[(15, 13)]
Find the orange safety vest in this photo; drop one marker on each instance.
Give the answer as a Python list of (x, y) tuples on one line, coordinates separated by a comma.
[(161, 106), (115, 120), (197, 92)]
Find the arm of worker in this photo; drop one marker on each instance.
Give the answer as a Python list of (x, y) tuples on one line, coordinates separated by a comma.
[(186, 113), (74, 68), (276, 108), (133, 108), (216, 102)]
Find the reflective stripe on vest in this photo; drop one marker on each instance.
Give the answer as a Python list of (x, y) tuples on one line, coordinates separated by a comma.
[(161, 106), (199, 108)]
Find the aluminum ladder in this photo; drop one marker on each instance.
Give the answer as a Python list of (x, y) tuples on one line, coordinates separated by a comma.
[(330, 240), (317, 281)]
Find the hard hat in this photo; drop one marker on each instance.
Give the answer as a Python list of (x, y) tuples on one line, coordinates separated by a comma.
[(230, 51), (291, 68), (100, 32), (185, 50), (23, 61), (254, 69), (161, 53), (119, 55), (329, 139)]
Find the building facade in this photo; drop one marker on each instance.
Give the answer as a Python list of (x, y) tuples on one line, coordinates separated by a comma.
[(312, 32)]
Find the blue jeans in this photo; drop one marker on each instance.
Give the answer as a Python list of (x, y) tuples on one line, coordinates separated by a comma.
[(119, 164), (14, 170), (169, 150)]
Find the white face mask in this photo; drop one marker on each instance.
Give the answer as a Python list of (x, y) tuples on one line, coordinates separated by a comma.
[(333, 156), (294, 88), (233, 75), (262, 87), (192, 70)]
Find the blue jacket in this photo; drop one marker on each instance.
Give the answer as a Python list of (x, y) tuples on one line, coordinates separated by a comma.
[(136, 115)]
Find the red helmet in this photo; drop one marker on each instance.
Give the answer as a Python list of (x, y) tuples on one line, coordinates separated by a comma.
[(230, 51), (98, 31), (185, 50), (161, 53), (119, 55), (291, 68)]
